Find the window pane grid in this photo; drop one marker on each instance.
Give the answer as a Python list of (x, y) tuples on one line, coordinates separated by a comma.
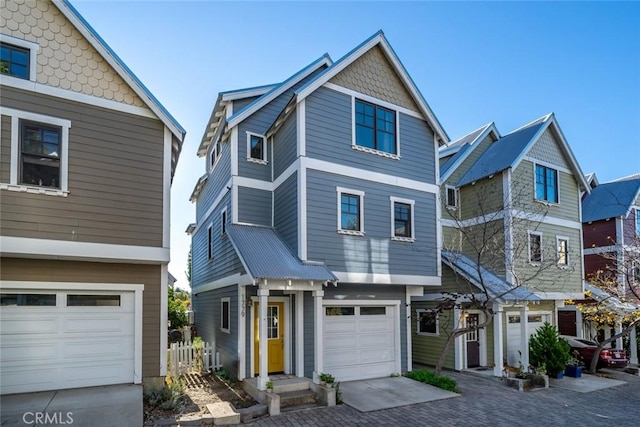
[(350, 212), (14, 61), (40, 155), (375, 127), (272, 322), (563, 252), (546, 184), (402, 220)]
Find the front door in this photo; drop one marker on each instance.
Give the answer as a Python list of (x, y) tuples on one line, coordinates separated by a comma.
[(473, 344), (275, 337)]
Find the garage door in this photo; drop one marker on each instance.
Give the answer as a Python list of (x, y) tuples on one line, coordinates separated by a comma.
[(64, 339), (360, 341), (513, 334)]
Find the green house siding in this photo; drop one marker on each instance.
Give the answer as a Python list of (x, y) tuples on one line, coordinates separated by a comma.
[(484, 197), (426, 349)]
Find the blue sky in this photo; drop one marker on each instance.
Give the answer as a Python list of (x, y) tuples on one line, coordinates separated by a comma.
[(474, 62)]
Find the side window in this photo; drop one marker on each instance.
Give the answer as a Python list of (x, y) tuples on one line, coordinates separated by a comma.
[(402, 219), (375, 128), (563, 251), (225, 315), (535, 247), (256, 148), (210, 242), (428, 322), (546, 184), (40, 147), (451, 197), (350, 211), (223, 222)]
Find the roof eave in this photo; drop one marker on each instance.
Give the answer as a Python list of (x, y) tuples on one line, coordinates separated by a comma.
[(490, 128)]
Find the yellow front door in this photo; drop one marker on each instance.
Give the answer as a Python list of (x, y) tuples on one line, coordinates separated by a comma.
[(275, 337)]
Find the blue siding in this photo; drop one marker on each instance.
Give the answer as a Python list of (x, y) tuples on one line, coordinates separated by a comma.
[(328, 137), (225, 261), (216, 183), (254, 206), (285, 146), (375, 252), (207, 312), (286, 211), (239, 104)]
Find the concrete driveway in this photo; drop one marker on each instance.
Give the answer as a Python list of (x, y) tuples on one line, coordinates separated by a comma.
[(108, 406), (389, 392)]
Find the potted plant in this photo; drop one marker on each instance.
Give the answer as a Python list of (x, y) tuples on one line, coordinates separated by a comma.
[(326, 379), (269, 386), (574, 366), (545, 346)]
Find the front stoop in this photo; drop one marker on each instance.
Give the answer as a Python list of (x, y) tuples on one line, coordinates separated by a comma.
[(532, 382), (223, 413), (290, 393)]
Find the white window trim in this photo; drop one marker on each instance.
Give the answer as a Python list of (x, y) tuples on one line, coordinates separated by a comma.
[(419, 311), (213, 153), (228, 301), (411, 203), (223, 220), (210, 254), (558, 238), (64, 125), (535, 195), (637, 222), (529, 234), (359, 193), (388, 106), (262, 161), (455, 196), (33, 52)]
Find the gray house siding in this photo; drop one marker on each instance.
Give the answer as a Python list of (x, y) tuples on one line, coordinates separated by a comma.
[(239, 104), (375, 252), (216, 183), (329, 138), (254, 206), (207, 312), (225, 261), (285, 146), (286, 211)]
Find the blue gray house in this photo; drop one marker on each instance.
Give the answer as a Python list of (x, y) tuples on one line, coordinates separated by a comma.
[(317, 220)]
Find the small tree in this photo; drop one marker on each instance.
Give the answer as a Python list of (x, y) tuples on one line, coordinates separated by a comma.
[(177, 307), (548, 349)]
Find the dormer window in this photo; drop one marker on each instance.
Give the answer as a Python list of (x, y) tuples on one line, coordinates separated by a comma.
[(18, 57), (375, 129), (256, 148), (546, 184)]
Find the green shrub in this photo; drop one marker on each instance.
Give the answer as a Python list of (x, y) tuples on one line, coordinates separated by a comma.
[(548, 349), (167, 397), (431, 378)]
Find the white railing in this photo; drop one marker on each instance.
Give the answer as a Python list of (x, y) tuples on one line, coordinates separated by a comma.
[(182, 359)]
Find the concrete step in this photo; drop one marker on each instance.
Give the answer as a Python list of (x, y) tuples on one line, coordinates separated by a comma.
[(292, 384), (304, 407), (223, 413), (296, 398)]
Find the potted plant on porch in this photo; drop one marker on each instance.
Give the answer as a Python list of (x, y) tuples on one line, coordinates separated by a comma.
[(546, 347), (574, 366)]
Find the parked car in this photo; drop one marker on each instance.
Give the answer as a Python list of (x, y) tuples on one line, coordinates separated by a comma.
[(609, 357)]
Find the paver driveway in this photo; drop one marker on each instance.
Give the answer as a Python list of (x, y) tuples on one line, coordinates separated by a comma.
[(486, 402)]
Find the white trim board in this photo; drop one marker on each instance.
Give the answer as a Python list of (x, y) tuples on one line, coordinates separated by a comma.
[(387, 279)]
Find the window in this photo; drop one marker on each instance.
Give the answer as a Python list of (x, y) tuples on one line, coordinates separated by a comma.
[(375, 127), (40, 155), (428, 323), (93, 300), (563, 251), (340, 311), (350, 216), (402, 219), (635, 271), (535, 247), (225, 315), (36, 300), (214, 154), (451, 197), (256, 148), (373, 311), (223, 222), (546, 184), (15, 61), (637, 222), (273, 321), (210, 242)]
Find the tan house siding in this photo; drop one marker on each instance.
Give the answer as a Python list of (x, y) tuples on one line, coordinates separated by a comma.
[(5, 148), (373, 75), (568, 206), (426, 349), (87, 272), (65, 59), (115, 164)]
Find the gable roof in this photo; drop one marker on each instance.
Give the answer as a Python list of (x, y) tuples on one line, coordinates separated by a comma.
[(497, 287), (378, 39), (265, 256), (127, 75), (610, 200), (511, 149), (462, 148)]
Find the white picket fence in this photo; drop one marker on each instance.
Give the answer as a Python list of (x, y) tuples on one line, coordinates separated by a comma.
[(182, 359)]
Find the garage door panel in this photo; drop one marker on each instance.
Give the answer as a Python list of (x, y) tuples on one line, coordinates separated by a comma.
[(85, 375), (22, 380), (376, 340), (343, 326), (98, 349), (365, 356), (340, 357), (23, 351), (97, 324), (341, 341), (23, 325), (374, 324)]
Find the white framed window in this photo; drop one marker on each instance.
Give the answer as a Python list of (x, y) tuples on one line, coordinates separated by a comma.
[(562, 245), (223, 222), (39, 153), (546, 184), (375, 128), (210, 243), (428, 322), (402, 219), (637, 221), (451, 197), (350, 211), (535, 247), (225, 315), (256, 148), (19, 57), (215, 151)]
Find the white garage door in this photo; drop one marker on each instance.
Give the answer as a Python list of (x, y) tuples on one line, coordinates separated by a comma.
[(513, 334), (360, 342), (64, 339)]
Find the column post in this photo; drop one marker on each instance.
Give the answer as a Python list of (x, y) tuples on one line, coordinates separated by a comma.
[(318, 335), (524, 336), (633, 359), (498, 354), (263, 377)]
